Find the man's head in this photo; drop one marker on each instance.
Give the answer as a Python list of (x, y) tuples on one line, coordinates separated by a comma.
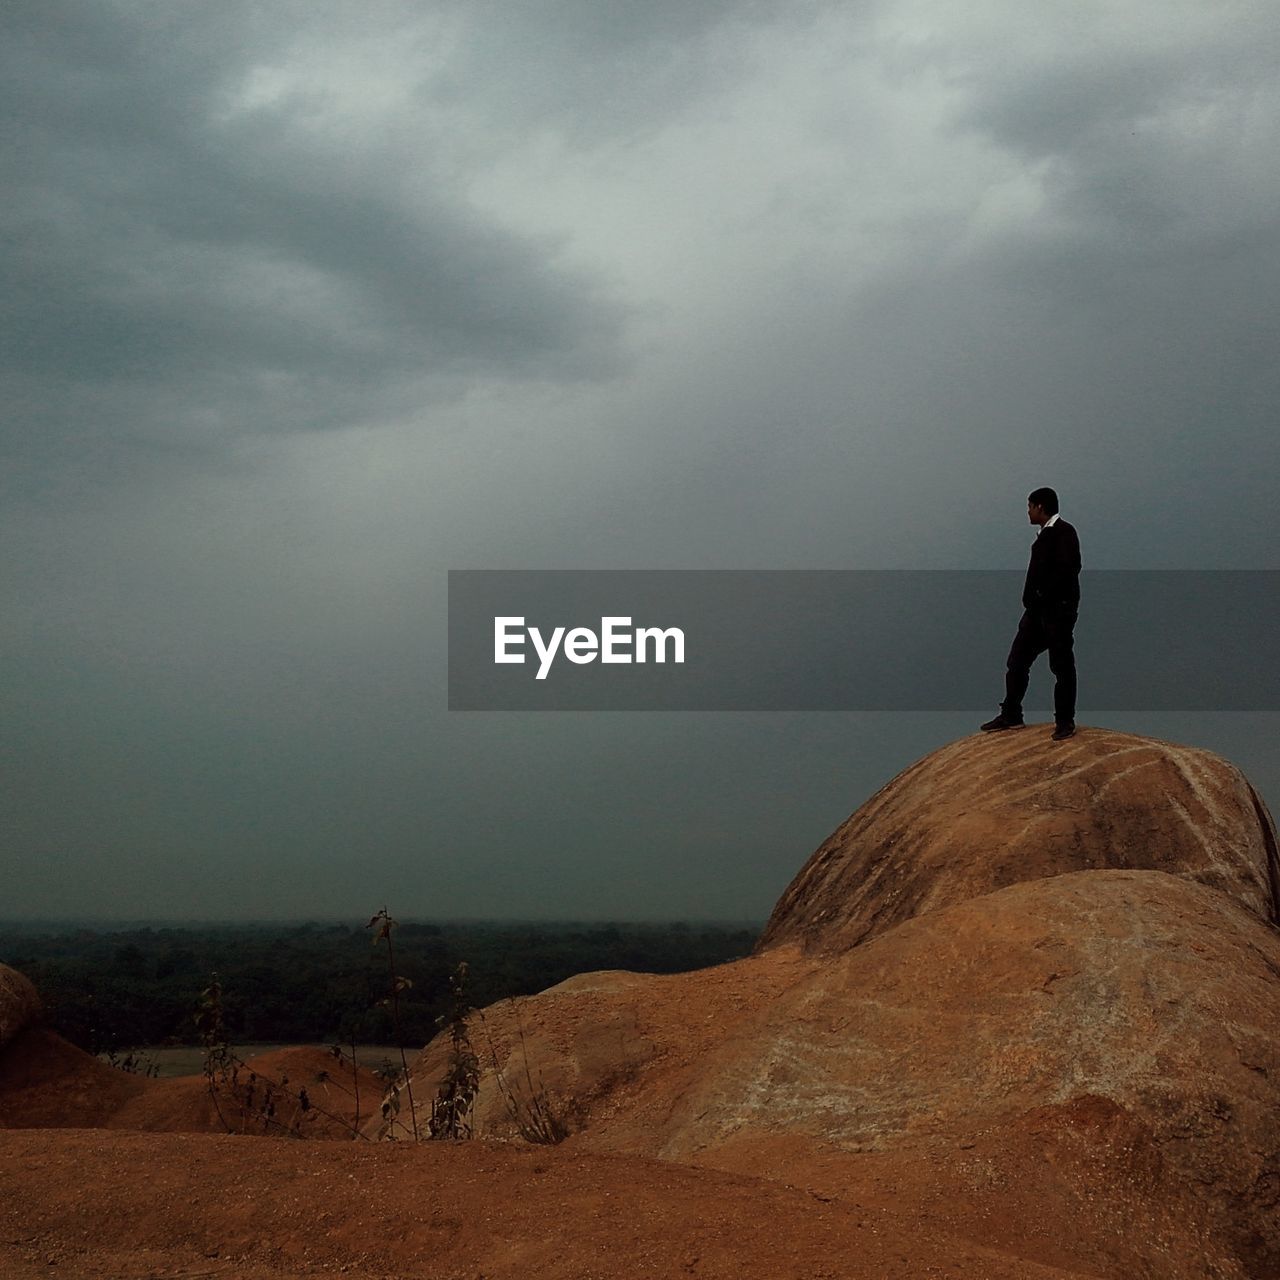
[(1041, 505)]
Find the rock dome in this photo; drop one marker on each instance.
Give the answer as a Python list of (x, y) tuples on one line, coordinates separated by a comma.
[(992, 810)]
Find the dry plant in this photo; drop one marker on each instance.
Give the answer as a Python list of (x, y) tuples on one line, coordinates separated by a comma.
[(262, 1102), (451, 1107), (346, 1057), (536, 1117), (397, 984), (132, 1061), (271, 1105)]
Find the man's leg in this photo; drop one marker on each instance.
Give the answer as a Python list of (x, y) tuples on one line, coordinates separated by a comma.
[(1062, 662), (1028, 645)]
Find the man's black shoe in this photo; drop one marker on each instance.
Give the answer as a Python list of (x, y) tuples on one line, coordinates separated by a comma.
[(1063, 731), (1002, 722)]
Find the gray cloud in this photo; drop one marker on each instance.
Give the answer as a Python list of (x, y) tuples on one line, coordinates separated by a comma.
[(600, 70), (181, 265), (577, 284)]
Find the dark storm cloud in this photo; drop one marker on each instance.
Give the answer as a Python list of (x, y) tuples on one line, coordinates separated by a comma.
[(1103, 316), (596, 69), (176, 265), (1148, 281), (869, 272), (1050, 99)]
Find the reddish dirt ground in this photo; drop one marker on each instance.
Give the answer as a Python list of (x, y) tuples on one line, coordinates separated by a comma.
[(96, 1204), (47, 1083)]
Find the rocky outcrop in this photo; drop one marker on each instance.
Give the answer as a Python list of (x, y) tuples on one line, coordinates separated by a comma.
[(993, 810), (19, 1003), (1035, 982), (1028, 996), (606, 1050), (1144, 994)]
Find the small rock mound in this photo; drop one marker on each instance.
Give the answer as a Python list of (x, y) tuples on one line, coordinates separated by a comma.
[(48, 1083), (993, 810), (19, 1003), (584, 1044)]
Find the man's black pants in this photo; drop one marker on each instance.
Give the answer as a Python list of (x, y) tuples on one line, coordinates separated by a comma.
[(1051, 629)]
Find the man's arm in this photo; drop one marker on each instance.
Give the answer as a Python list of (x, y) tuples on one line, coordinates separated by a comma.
[(1065, 565)]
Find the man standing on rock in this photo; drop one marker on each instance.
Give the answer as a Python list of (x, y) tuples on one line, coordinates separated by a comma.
[(1051, 600)]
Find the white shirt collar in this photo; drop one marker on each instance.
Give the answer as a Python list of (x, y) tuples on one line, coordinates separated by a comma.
[(1052, 520)]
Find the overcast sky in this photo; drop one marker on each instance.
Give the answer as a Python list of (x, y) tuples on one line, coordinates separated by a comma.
[(304, 304)]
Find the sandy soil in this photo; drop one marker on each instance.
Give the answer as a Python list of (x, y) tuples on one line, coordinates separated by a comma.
[(96, 1204)]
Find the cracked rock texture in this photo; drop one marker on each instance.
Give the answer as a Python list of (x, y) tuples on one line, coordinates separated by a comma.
[(998, 809)]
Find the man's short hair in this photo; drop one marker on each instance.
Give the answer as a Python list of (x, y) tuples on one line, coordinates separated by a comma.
[(1045, 498)]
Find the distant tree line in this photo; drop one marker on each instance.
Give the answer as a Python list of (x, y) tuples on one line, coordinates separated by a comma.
[(109, 989)]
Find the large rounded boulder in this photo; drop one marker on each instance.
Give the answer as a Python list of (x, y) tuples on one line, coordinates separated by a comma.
[(1138, 1009), (19, 1003), (993, 810)]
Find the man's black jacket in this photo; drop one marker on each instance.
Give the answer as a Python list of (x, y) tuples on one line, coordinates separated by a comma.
[(1053, 576)]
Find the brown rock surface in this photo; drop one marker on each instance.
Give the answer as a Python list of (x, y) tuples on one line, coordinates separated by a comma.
[(1020, 1016), (1134, 1007), (612, 1048), (995, 809), (1099, 1049), (19, 1003), (1105, 1042)]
